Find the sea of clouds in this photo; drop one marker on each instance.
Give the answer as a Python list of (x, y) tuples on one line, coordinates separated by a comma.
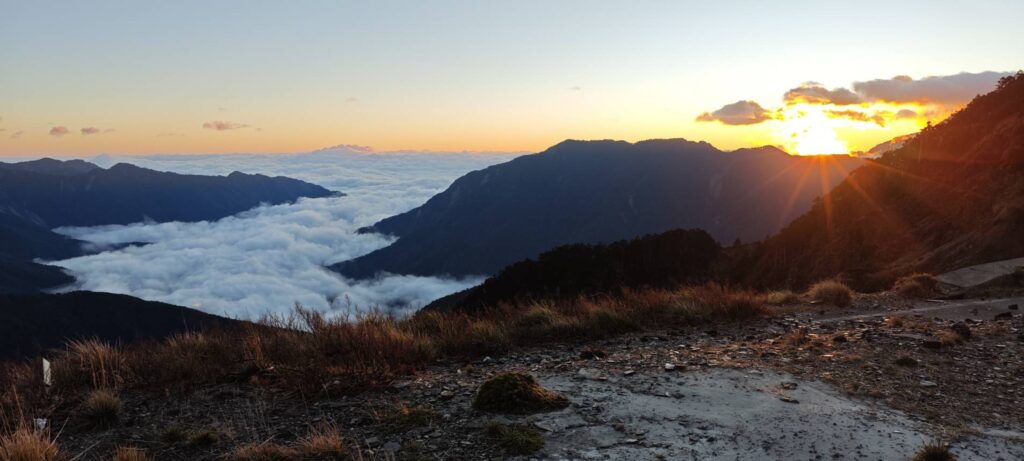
[(266, 260)]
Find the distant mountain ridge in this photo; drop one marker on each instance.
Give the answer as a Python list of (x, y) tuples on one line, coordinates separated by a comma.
[(76, 193), (40, 195), (598, 192)]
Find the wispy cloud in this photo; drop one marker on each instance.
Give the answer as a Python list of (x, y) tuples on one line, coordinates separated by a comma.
[(89, 130), (223, 125), (17, 134), (58, 131)]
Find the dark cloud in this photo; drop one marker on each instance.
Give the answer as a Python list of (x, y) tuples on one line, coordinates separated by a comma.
[(89, 130), (944, 90), (58, 131), (737, 113), (221, 125), (816, 93)]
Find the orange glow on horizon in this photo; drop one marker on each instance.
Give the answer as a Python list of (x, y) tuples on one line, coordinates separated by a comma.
[(828, 129)]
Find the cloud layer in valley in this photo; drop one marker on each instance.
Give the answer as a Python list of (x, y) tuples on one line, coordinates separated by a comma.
[(267, 259)]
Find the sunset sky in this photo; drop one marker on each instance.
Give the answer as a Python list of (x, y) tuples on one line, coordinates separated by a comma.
[(82, 78)]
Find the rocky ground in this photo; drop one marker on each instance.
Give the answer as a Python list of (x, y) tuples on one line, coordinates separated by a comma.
[(873, 381)]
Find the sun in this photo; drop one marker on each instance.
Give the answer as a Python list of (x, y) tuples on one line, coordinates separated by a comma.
[(808, 130)]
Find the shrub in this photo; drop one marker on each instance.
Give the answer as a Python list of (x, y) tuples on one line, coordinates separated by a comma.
[(934, 452), (949, 338), (516, 393), (916, 286), (831, 292), (130, 454), (101, 409), (515, 439), (28, 445)]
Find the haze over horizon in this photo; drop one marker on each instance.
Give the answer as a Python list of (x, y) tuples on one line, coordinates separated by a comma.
[(87, 78)]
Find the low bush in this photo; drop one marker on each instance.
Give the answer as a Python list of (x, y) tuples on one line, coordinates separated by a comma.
[(916, 286), (831, 292), (516, 393), (934, 452)]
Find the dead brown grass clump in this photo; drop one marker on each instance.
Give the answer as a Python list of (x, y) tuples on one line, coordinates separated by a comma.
[(101, 409), (91, 364), (949, 338), (934, 452), (324, 444), (781, 298), (916, 286), (314, 353), (831, 292), (28, 445), (130, 454), (264, 452)]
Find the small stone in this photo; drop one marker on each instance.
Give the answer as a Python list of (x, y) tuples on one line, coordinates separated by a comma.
[(670, 367), (839, 338), (788, 385), (788, 399), (628, 373), (928, 384), (1012, 307), (372, 442), (392, 446), (446, 395), (1003, 316)]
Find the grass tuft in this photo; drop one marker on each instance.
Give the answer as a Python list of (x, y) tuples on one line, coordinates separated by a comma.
[(516, 393), (916, 286), (130, 454), (515, 439), (934, 451), (831, 292), (28, 445), (101, 409)]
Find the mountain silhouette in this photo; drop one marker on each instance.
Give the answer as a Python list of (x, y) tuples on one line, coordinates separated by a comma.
[(663, 260), (40, 195), (950, 197), (598, 192)]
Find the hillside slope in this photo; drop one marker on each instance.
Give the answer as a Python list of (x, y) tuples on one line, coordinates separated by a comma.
[(598, 192), (951, 197), (30, 324)]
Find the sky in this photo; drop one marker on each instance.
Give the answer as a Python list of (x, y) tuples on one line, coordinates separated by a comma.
[(131, 77)]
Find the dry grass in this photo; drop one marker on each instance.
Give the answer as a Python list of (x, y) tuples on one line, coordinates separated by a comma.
[(831, 292), (324, 444), (91, 363), (949, 338), (312, 353), (130, 454), (934, 451), (515, 439), (28, 445), (101, 409), (781, 298), (400, 417), (264, 452), (916, 286)]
